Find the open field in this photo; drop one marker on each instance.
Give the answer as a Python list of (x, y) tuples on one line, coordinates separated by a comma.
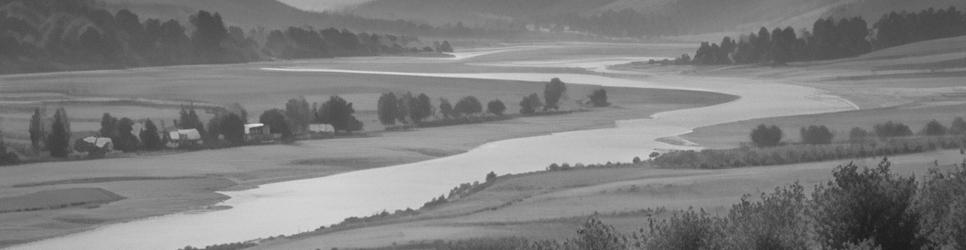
[(550, 205), (158, 184)]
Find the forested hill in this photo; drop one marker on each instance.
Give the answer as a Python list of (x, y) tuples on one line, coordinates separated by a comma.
[(640, 17), (273, 14), (54, 35)]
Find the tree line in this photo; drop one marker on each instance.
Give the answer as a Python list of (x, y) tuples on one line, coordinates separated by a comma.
[(78, 34), (407, 109), (226, 128), (831, 39)]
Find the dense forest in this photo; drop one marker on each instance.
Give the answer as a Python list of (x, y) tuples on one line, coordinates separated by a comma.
[(77, 34), (831, 39)]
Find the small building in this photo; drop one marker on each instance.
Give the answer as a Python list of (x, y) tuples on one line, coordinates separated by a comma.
[(103, 143), (321, 128), (257, 132), (184, 137)]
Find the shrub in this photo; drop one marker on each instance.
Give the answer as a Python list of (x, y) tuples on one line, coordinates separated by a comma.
[(599, 98), (445, 108), (530, 104), (594, 234), (892, 129), (816, 135), (933, 128), (468, 105), (684, 230), (858, 134), (765, 136), (942, 206), (866, 204), (777, 221), (958, 127), (495, 107)]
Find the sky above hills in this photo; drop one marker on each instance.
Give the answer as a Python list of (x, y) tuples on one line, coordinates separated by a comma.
[(322, 5)]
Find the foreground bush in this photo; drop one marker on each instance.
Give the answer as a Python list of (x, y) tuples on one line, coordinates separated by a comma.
[(867, 204)]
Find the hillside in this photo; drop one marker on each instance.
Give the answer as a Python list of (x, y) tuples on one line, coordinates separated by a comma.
[(245, 13), (675, 17)]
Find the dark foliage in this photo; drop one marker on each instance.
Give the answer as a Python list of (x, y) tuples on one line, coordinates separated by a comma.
[(934, 128), (446, 109), (599, 98), (530, 104), (37, 130), (126, 140), (299, 113), (866, 204), (816, 135), (108, 126), (150, 137), (495, 107), (11, 158), (339, 113), (81, 34), (552, 92), (387, 109), (468, 105), (900, 28), (766, 136), (233, 129), (858, 135), (892, 129), (277, 122), (58, 142), (422, 108)]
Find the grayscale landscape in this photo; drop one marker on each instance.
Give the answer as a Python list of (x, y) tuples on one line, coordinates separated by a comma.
[(482, 124)]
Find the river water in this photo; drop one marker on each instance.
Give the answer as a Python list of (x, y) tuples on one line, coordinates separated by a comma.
[(303, 205)]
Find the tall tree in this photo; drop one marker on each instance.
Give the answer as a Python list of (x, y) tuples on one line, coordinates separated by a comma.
[(126, 141), (299, 113), (276, 121), (150, 138), (422, 108), (338, 112), (38, 130), (445, 108), (108, 126), (58, 142), (552, 93), (387, 108), (496, 107), (233, 129)]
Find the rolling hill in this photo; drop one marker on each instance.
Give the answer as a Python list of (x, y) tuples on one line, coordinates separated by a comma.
[(682, 16)]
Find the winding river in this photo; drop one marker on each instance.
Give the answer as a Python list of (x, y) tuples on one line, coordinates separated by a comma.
[(303, 205)]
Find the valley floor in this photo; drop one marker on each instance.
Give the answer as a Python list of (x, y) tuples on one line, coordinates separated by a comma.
[(550, 205), (154, 185)]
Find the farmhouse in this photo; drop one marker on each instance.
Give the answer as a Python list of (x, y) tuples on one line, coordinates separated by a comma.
[(257, 132), (184, 137)]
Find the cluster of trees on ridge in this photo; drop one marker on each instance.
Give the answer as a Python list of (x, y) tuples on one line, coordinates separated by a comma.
[(78, 34), (831, 39), (406, 109)]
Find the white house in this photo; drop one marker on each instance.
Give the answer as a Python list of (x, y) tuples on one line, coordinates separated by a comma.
[(104, 143), (184, 137), (321, 128)]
